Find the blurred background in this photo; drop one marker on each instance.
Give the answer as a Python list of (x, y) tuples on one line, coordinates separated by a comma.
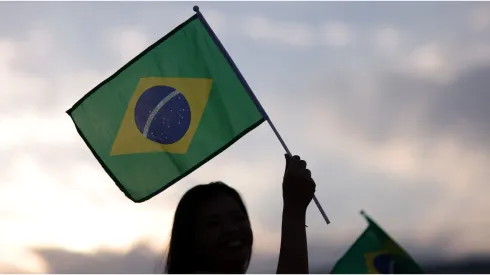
[(387, 101)]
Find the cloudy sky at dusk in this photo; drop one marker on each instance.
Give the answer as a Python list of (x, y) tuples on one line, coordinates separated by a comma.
[(386, 102)]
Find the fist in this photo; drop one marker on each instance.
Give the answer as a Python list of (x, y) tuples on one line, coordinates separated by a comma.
[(298, 187)]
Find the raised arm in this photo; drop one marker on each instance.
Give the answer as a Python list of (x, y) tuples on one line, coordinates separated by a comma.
[(298, 190)]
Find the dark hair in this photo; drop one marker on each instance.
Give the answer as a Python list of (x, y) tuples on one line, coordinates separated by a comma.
[(181, 257)]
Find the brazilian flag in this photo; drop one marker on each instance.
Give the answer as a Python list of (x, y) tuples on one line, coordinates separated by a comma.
[(168, 111), (374, 252)]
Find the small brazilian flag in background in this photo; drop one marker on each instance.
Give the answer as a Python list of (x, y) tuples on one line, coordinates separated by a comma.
[(374, 252), (172, 108)]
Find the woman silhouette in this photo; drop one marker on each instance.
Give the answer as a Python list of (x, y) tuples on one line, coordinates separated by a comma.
[(211, 232)]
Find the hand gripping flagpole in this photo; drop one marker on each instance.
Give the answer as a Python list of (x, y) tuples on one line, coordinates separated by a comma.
[(251, 94)]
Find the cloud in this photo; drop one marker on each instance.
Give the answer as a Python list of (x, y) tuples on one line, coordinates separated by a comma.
[(16, 85), (48, 129), (430, 62), (128, 42), (30, 91), (73, 210), (142, 259), (291, 33), (388, 40), (479, 19), (442, 60), (139, 259), (420, 134), (336, 34), (288, 33), (218, 21), (19, 261)]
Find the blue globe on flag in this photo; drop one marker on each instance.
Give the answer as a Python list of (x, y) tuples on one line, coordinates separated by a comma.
[(385, 264), (162, 114)]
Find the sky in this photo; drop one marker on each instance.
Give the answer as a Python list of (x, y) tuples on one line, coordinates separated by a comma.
[(386, 101)]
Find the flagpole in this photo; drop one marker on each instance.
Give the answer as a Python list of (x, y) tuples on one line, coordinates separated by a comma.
[(252, 95)]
